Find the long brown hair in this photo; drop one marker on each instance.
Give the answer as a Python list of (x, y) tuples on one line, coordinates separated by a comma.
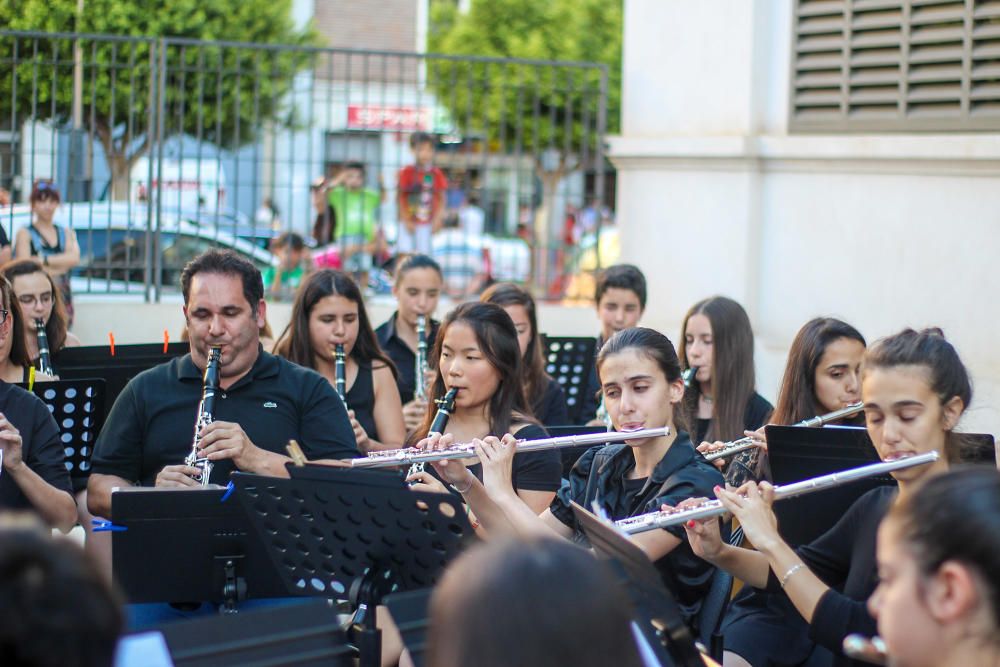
[(733, 378), (294, 343), (497, 338), (797, 397), (58, 323), (533, 375), (18, 346)]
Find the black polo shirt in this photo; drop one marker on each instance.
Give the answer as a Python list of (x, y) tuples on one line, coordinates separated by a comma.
[(152, 422), (682, 473), (401, 355), (41, 448)]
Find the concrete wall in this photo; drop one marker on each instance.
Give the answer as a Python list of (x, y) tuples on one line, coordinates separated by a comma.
[(885, 231)]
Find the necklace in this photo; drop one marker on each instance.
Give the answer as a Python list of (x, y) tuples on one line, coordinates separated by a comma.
[(707, 399)]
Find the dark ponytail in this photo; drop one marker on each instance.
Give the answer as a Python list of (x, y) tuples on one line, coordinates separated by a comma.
[(652, 345), (927, 348)]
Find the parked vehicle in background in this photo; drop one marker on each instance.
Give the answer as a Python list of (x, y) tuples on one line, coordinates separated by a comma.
[(119, 250)]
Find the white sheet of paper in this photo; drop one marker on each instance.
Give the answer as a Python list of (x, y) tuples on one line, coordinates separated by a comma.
[(147, 649)]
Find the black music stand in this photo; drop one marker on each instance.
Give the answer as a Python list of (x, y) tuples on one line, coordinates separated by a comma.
[(300, 634), (188, 546), (796, 453), (96, 361), (78, 408), (346, 531), (569, 360), (659, 617)]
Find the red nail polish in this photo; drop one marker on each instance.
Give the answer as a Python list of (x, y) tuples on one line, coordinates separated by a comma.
[(716, 488), (691, 523)]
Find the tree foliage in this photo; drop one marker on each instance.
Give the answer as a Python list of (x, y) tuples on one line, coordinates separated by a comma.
[(548, 107), (221, 94)]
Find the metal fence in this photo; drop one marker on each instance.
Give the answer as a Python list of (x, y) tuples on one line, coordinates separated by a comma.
[(164, 147)]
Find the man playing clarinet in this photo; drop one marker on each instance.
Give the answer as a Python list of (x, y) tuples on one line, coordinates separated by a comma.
[(263, 401)]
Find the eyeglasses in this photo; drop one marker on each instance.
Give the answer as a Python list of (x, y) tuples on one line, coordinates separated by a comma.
[(29, 300), (3, 315)]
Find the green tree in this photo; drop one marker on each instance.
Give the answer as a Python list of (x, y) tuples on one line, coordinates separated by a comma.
[(224, 95), (549, 110)]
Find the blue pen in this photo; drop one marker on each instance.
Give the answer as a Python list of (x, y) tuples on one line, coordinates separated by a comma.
[(103, 526)]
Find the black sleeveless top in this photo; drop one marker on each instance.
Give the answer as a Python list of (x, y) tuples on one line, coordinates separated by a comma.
[(40, 247), (361, 399)]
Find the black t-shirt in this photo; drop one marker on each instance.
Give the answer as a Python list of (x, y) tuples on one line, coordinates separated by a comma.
[(756, 415), (152, 422), (4, 239), (532, 471), (602, 474), (550, 406), (41, 448), (402, 356), (844, 559), (361, 399)]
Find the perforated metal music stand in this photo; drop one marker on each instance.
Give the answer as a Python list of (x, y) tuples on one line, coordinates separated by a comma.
[(335, 532), (662, 623), (569, 360), (78, 408), (96, 361)]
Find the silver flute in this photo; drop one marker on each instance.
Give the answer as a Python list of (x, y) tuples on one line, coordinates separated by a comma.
[(872, 651), (711, 508), (205, 417), (410, 455), (742, 444), (420, 369), (44, 356)]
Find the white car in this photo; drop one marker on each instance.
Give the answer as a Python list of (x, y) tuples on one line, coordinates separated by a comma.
[(115, 237)]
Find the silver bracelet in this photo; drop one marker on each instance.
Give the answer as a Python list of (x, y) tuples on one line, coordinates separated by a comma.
[(465, 490), (792, 570)]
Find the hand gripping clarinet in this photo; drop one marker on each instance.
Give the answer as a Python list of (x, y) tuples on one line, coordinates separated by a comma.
[(445, 407), (44, 357), (205, 416), (420, 369)]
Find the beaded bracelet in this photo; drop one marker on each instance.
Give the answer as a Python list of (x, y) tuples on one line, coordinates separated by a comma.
[(792, 570)]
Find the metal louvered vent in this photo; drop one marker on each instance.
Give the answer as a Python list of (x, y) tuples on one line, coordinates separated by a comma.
[(895, 65)]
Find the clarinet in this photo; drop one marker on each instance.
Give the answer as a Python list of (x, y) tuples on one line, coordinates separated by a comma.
[(712, 508), (742, 467), (688, 376), (340, 371), (205, 417), (44, 357), (446, 406), (420, 369)]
